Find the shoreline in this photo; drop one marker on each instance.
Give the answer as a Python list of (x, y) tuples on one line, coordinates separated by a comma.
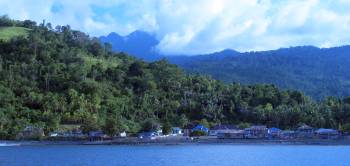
[(200, 141)]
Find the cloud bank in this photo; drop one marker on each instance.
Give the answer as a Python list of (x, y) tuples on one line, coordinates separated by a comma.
[(200, 26)]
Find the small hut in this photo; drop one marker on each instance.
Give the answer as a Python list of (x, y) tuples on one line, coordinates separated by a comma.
[(305, 132), (327, 133)]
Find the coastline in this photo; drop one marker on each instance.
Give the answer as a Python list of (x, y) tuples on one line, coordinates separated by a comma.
[(182, 141)]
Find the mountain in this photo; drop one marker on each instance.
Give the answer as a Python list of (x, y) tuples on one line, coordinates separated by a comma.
[(185, 60), (317, 72), (143, 45), (138, 43)]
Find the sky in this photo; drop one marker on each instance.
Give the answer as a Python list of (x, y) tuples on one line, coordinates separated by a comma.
[(200, 26)]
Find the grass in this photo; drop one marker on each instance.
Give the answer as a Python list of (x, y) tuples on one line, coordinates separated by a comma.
[(7, 33)]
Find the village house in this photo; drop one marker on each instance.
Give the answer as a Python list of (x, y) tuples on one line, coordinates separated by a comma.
[(221, 129), (55, 134), (175, 131), (159, 132), (75, 133), (305, 132), (327, 133), (151, 134), (288, 134), (148, 135), (186, 132), (200, 127), (122, 134), (256, 132), (188, 129), (274, 133), (97, 136), (31, 132)]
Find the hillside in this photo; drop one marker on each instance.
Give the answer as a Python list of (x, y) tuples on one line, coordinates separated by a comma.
[(59, 77), (317, 72), (7, 33)]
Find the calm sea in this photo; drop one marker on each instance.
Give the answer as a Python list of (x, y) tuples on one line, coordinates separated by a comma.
[(181, 155)]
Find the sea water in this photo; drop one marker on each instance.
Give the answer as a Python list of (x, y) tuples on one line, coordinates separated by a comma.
[(176, 155)]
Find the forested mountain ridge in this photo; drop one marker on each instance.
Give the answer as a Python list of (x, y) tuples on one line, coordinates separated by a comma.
[(55, 76), (317, 72)]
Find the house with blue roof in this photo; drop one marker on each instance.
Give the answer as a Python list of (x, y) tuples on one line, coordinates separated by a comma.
[(200, 127), (274, 132)]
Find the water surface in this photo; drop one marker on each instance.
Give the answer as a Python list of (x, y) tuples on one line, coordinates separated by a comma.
[(179, 155)]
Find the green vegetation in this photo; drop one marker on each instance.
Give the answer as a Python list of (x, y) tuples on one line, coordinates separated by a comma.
[(198, 133), (316, 72), (60, 76), (7, 33)]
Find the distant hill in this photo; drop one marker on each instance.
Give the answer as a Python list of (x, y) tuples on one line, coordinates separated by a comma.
[(7, 33), (317, 72), (139, 44), (185, 60)]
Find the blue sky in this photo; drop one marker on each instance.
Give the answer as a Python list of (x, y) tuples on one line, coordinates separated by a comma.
[(200, 26)]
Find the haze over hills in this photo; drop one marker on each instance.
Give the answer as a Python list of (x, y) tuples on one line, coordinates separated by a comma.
[(138, 43), (318, 72)]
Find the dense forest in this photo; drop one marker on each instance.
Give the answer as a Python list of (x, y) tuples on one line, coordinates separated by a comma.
[(316, 72), (55, 76)]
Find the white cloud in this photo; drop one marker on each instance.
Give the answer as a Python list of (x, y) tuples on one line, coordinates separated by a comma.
[(294, 14), (200, 26)]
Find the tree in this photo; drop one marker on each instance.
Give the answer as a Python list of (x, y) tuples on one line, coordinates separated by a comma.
[(182, 121), (29, 24), (112, 126), (166, 128), (204, 122), (243, 125), (5, 21), (150, 125), (346, 127), (90, 124)]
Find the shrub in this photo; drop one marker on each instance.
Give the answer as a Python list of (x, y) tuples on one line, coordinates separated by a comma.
[(198, 133)]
